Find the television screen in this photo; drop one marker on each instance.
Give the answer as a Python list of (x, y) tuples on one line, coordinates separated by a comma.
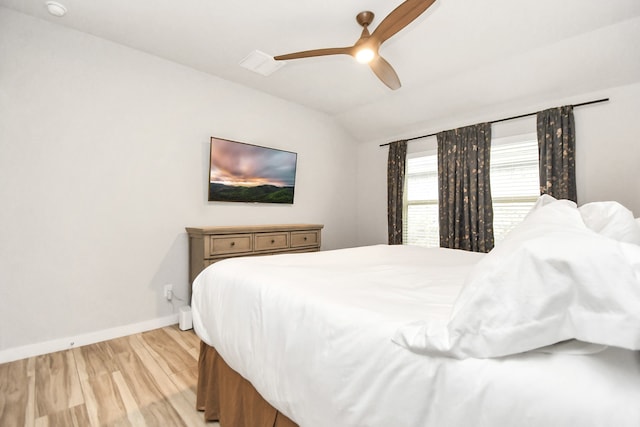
[(240, 172)]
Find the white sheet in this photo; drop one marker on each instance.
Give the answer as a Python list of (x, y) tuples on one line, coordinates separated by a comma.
[(312, 332)]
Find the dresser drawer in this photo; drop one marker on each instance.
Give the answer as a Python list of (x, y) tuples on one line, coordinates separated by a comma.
[(270, 241), (208, 245), (231, 244), (304, 238)]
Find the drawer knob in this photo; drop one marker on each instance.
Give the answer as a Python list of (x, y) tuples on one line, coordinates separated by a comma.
[(272, 241), (233, 243), (305, 239)]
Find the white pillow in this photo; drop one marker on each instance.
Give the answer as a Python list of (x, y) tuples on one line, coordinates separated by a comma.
[(546, 216), (543, 200), (611, 219), (551, 280)]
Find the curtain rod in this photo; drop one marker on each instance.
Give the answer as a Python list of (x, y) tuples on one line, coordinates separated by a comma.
[(508, 118)]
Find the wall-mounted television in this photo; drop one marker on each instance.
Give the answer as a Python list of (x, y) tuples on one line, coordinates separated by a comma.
[(240, 172)]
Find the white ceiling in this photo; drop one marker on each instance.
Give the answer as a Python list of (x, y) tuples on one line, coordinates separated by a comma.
[(459, 57)]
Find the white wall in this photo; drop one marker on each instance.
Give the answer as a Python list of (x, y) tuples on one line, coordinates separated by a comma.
[(103, 162), (607, 153)]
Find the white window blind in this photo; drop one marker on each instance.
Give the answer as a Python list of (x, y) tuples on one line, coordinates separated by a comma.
[(514, 189), (420, 216), (515, 185)]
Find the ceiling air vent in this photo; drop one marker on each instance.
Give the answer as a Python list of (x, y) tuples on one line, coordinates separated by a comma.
[(261, 63)]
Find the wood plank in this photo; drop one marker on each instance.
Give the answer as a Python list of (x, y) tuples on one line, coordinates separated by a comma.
[(186, 380), (138, 379), (71, 417), (108, 407), (119, 345), (94, 360), (151, 397), (57, 386), (188, 340), (190, 336), (168, 353), (133, 412), (31, 403), (14, 393), (181, 400)]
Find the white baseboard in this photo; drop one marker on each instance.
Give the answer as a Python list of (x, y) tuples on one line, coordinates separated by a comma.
[(31, 350)]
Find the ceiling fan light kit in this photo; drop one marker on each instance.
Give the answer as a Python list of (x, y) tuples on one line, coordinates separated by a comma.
[(365, 55), (365, 49)]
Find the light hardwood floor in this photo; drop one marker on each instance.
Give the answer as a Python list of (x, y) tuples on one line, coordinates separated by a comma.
[(146, 379)]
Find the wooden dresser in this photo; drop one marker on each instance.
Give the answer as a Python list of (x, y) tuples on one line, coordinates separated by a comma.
[(210, 244)]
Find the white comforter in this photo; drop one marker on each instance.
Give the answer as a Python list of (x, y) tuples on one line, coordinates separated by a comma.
[(312, 333)]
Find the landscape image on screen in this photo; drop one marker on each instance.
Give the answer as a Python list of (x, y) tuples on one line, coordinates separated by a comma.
[(240, 172)]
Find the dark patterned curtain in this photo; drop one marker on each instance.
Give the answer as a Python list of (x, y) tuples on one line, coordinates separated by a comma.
[(556, 149), (464, 189), (395, 187)]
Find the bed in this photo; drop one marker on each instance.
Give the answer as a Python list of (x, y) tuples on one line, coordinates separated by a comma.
[(542, 331)]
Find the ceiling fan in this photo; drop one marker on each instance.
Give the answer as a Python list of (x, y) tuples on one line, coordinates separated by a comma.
[(365, 49)]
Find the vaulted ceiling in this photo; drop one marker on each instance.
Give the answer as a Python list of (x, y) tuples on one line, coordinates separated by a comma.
[(458, 57)]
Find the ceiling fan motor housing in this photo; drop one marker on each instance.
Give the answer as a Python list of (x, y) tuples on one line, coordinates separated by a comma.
[(365, 18)]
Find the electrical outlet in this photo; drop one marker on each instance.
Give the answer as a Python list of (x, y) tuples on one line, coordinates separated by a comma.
[(168, 292)]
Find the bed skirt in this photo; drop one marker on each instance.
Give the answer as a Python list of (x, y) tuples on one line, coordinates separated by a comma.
[(225, 396)]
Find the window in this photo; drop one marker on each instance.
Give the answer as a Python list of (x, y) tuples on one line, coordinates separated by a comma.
[(515, 182), (420, 224), (514, 189)]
